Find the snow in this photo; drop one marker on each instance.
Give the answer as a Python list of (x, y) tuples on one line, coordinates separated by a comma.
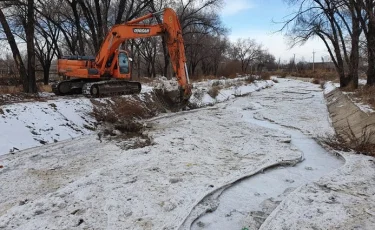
[(343, 199), (26, 125), (235, 88), (329, 87), (364, 107), (247, 202), (148, 188), (86, 183), (362, 81), (29, 124)]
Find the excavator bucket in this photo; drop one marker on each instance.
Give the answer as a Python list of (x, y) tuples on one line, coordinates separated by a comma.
[(173, 98)]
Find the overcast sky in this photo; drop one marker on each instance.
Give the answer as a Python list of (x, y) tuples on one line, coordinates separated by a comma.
[(256, 19)]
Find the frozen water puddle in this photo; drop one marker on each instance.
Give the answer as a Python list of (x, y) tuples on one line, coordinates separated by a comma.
[(247, 203)]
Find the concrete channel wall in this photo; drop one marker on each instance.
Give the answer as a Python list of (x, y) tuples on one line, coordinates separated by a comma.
[(349, 120)]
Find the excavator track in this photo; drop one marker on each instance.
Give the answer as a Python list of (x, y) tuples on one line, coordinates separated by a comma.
[(111, 87), (68, 87), (95, 88)]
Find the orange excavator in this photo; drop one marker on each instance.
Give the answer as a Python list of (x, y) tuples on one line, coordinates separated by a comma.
[(109, 72)]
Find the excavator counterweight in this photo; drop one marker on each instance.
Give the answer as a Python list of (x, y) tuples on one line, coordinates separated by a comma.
[(109, 73)]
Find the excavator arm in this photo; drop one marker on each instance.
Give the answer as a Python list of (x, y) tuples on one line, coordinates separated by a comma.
[(170, 28)]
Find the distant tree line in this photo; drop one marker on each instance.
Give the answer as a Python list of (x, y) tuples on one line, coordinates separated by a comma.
[(49, 29), (347, 28)]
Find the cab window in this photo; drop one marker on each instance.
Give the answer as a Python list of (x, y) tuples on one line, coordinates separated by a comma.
[(123, 63)]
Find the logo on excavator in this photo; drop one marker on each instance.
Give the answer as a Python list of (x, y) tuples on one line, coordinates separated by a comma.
[(141, 30)]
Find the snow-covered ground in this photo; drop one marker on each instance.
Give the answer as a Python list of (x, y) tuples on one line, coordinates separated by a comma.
[(86, 183), (343, 199), (29, 124), (248, 203), (91, 184)]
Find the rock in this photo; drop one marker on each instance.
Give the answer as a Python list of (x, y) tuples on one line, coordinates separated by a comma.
[(116, 132), (175, 180), (169, 206)]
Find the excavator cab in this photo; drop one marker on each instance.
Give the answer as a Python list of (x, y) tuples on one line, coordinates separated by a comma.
[(123, 63), (121, 68)]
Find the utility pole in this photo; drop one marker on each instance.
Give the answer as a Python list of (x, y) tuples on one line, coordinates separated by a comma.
[(294, 62), (313, 61)]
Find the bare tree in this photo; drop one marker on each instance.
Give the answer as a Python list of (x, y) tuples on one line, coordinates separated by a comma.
[(366, 15), (196, 17), (15, 51), (335, 23), (215, 54), (246, 51), (46, 46), (28, 23)]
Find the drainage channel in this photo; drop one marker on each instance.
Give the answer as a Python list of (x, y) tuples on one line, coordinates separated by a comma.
[(246, 204)]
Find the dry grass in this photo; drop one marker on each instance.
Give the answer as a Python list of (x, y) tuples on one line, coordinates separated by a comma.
[(214, 91), (119, 109), (44, 88), (322, 75), (316, 81), (10, 89), (347, 141), (144, 79), (250, 79), (280, 73), (325, 75), (340, 144), (10, 81), (119, 119), (265, 76), (202, 78), (366, 94)]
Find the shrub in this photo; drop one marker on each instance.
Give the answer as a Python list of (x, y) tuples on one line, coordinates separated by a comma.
[(316, 81), (251, 79), (10, 89), (119, 109), (265, 76), (214, 91), (44, 88), (366, 94), (347, 141)]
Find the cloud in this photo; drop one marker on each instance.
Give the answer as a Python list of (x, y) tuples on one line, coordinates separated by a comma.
[(232, 7)]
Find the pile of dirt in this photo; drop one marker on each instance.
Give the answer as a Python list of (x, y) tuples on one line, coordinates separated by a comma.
[(121, 118)]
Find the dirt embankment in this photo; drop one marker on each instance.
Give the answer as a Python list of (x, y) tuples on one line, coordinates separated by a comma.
[(349, 121)]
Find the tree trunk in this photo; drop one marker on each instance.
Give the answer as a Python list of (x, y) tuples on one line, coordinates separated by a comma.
[(371, 54), (138, 65), (81, 49), (354, 54), (99, 22), (15, 51), (46, 69), (29, 30)]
